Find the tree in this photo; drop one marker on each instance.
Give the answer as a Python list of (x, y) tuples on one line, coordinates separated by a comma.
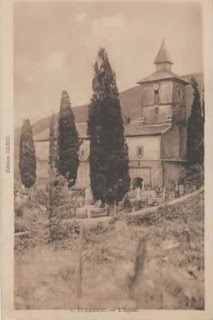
[(52, 145), (68, 142), (27, 159), (195, 130), (52, 161), (109, 163)]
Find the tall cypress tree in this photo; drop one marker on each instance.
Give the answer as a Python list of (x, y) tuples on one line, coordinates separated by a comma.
[(195, 130), (27, 159), (53, 155), (52, 144), (68, 142), (52, 174), (109, 163)]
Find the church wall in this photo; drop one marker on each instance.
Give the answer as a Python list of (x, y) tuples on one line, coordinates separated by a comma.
[(170, 144), (42, 172), (173, 173), (148, 166), (138, 165), (83, 179), (84, 150), (179, 106), (150, 145), (183, 142), (157, 111), (165, 92), (42, 154), (150, 171), (42, 150), (156, 114)]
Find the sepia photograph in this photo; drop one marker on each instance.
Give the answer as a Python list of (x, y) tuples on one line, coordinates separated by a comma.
[(109, 145), (109, 156)]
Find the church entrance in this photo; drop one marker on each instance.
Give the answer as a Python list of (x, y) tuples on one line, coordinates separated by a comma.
[(137, 183), (141, 177)]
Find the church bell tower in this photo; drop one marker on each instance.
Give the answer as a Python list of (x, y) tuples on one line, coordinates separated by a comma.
[(163, 93)]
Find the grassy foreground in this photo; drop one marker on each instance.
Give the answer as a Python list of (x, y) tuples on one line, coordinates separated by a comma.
[(167, 272)]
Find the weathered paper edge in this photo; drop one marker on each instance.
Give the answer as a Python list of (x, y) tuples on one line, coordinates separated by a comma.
[(7, 216)]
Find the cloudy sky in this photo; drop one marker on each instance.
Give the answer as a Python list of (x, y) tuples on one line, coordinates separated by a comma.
[(56, 44)]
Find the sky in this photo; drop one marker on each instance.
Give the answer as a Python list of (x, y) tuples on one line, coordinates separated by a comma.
[(56, 45)]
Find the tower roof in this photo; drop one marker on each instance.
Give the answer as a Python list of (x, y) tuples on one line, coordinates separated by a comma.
[(163, 67), (163, 56)]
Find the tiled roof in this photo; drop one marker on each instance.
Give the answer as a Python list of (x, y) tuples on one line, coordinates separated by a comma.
[(136, 128), (44, 135), (161, 75)]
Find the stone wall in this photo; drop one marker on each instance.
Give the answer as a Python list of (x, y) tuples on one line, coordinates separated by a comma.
[(179, 103), (157, 112), (83, 179), (173, 172), (149, 144), (173, 143), (165, 92), (150, 171), (170, 145)]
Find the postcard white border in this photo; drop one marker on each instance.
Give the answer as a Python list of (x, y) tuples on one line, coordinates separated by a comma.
[(7, 207)]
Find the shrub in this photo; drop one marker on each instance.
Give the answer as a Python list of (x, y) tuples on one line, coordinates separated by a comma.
[(27, 158), (194, 177)]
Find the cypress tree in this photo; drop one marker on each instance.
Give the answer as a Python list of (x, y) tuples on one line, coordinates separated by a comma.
[(27, 159), (52, 174), (52, 144), (195, 130), (68, 142), (52, 159), (109, 163)]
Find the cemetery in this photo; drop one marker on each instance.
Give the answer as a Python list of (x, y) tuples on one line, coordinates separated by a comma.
[(114, 216)]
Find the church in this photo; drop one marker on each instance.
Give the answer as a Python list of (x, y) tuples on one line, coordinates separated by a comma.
[(155, 116)]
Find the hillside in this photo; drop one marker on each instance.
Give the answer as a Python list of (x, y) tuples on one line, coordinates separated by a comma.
[(144, 262), (130, 103)]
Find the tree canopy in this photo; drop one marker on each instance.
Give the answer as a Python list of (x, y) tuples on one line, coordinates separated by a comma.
[(27, 159), (109, 163), (195, 129), (68, 142)]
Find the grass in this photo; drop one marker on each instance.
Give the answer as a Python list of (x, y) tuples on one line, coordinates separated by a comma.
[(171, 275)]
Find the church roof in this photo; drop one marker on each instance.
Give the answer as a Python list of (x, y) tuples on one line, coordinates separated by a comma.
[(162, 75), (163, 55), (136, 128), (44, 135), (130, 104), (164, 72)]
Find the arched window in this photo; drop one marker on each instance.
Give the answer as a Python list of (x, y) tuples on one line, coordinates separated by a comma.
[(140, 152), (156, 96)]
